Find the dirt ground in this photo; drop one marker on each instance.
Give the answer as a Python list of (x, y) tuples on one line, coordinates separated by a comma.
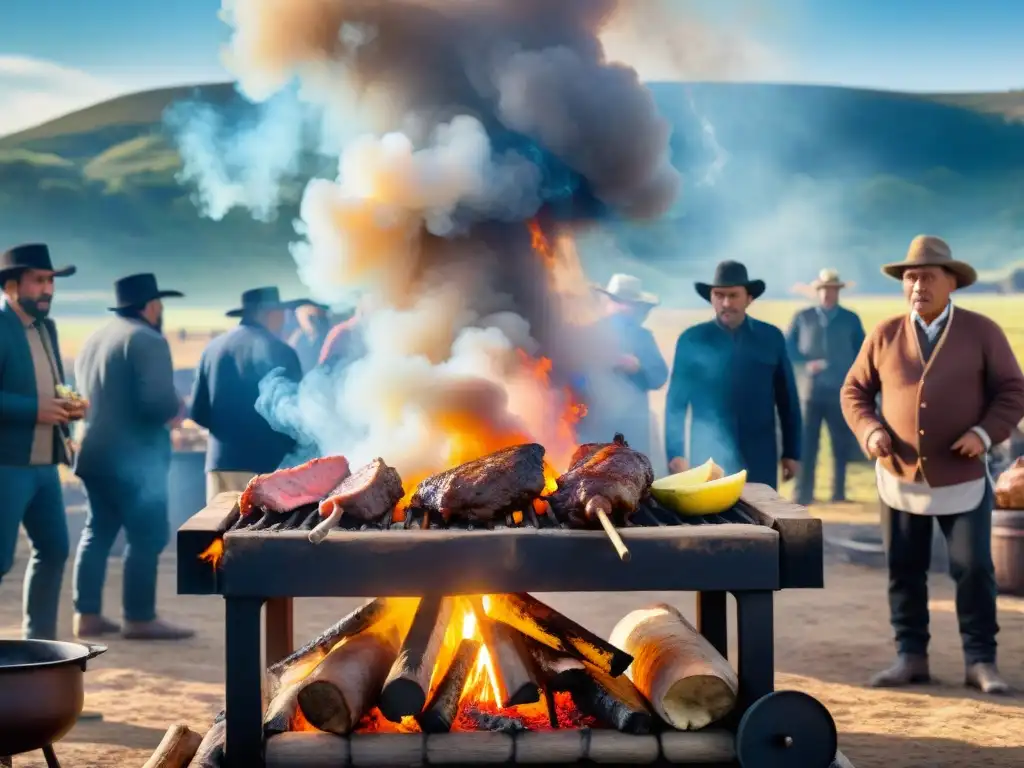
[(827, 643)]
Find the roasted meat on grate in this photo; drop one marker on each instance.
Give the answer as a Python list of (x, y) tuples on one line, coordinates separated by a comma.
[(367, 495), (610, 476), (288, 489), (477, 491)]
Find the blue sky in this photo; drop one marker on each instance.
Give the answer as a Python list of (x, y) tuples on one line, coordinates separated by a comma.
[(60, 55)]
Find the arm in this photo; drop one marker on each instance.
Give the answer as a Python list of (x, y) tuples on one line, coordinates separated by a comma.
[(15, 408), (787, 403), (1004, 384), (199, 410), (793, 341), (677, 401), (155, 397), (332, 344), (860, 391), (653, 371)]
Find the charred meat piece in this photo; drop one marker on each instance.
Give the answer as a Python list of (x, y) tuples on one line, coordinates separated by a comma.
[(614, 478), (367, 495), (480, 490), (288, 489), (584, 452)]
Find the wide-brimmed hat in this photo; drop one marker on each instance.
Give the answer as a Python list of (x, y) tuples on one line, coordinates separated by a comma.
[(139, 290), (264, 299), (931, 251), (627, 289), (828, 278), (30, 256), (731, 274)]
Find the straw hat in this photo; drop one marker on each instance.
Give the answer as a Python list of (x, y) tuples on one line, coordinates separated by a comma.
[(828, 278), (628, 290), (931, 251)]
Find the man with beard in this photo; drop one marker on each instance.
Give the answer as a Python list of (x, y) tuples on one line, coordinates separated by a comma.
[(734, 374), (33, 432), (227, 387), (125, 371)]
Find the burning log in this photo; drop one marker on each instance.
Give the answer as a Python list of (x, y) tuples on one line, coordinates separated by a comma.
[(177, 748), (346, 683), (516, 682), (686, 680), (362, 618), (612, 700), (211, 750), (282, 711), (547, 626), (444, 704), (405, 691)]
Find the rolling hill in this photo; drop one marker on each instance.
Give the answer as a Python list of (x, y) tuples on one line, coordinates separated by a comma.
[(786, 178)]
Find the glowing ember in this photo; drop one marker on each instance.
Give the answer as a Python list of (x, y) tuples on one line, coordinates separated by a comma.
[(214, 553)]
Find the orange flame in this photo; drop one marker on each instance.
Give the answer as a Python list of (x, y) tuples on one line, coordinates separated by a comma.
[(214, 553)]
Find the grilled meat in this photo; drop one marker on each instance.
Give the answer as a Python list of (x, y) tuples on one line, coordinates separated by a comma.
[(479, 490), (288, 489), (367, 495), (611, 476)]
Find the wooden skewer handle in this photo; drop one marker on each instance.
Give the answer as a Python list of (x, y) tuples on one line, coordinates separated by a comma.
[(324, 527), (598, 507)]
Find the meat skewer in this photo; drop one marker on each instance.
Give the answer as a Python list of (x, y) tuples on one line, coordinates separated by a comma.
[(288, 489), (368, 496), (600, 507)]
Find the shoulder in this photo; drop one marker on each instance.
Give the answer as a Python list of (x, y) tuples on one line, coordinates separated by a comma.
[(142, 338), (807, 313), (977, 322), (766, 331), (889, 328)]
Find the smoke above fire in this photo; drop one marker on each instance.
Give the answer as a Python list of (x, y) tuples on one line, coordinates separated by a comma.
[(481, 116)]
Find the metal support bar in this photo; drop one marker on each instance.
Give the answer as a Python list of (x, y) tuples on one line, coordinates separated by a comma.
[(713, 621), (278, 628), (243, 745), (755, 629)]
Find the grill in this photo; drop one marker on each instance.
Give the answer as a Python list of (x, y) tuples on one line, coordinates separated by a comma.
[(760, 546)]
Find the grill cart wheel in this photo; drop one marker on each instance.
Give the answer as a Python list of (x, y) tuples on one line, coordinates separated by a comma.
[(787, 729)]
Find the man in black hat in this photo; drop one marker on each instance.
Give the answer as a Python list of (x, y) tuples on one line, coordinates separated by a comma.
[(734, 373), (33, 431), (125, 371), (227, 386)]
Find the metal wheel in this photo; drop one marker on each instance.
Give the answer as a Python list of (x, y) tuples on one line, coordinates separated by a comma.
[(786, 729)]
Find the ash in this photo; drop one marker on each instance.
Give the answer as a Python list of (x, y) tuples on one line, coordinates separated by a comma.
[(486, 721)]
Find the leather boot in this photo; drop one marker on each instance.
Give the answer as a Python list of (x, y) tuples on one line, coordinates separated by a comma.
[(908, 670), (157, 629), (986, 678), (86, 625)]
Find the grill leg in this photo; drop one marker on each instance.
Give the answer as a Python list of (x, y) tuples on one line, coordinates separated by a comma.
[(712, 620), (277, 623), (243, 747), (756, 640)]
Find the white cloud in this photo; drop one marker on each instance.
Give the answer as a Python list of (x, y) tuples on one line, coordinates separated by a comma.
[(33, 91)]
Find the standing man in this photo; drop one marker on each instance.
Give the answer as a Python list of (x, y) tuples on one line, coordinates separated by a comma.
[(227, 386), (125, 371), (950, 388), (823, 342), (33, 432), (734, 374), (620, 402)]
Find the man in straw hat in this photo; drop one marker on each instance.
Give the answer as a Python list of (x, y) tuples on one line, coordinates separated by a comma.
[(227, 386), (950, 388), (734, 374), (823, 341), (126, 372), (620, 402), (33, 431)]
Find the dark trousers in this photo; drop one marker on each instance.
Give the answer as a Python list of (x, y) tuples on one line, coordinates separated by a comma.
[(908, 546), (825, 410), (141, 509)]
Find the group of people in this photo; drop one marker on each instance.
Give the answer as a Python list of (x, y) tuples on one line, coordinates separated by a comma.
[(926, 395)]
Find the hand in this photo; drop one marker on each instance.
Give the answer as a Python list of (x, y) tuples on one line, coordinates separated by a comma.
[(77, 409), (180, 417), (678, 464), (790, 468), (879, 444), (53, 411), (970, 445), (816, 366), (629, 363)]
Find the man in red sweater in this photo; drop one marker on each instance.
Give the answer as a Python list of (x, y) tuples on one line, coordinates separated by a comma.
[(951, 388)]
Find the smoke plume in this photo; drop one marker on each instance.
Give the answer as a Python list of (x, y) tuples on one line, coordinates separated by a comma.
[(483, 116)]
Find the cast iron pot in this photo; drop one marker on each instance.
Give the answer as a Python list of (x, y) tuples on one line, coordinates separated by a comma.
[(41, 691)]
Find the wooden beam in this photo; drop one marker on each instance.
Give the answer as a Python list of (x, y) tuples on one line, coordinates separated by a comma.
[(801, 542), (197, 577)]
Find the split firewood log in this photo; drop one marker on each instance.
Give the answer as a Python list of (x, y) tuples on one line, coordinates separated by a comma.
[(443, 707), (405, 690), (687, 681), (211, 751), (177, 748), (512, 665)]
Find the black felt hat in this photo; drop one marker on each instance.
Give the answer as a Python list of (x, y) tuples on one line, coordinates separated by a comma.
[(30, 256), (266, 298), (139, 290), (731, 274)]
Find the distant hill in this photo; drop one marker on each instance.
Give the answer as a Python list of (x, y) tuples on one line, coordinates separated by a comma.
[(786, 178)]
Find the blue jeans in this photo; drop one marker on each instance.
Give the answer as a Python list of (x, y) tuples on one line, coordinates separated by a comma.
[(141, 509), (31, 496)]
